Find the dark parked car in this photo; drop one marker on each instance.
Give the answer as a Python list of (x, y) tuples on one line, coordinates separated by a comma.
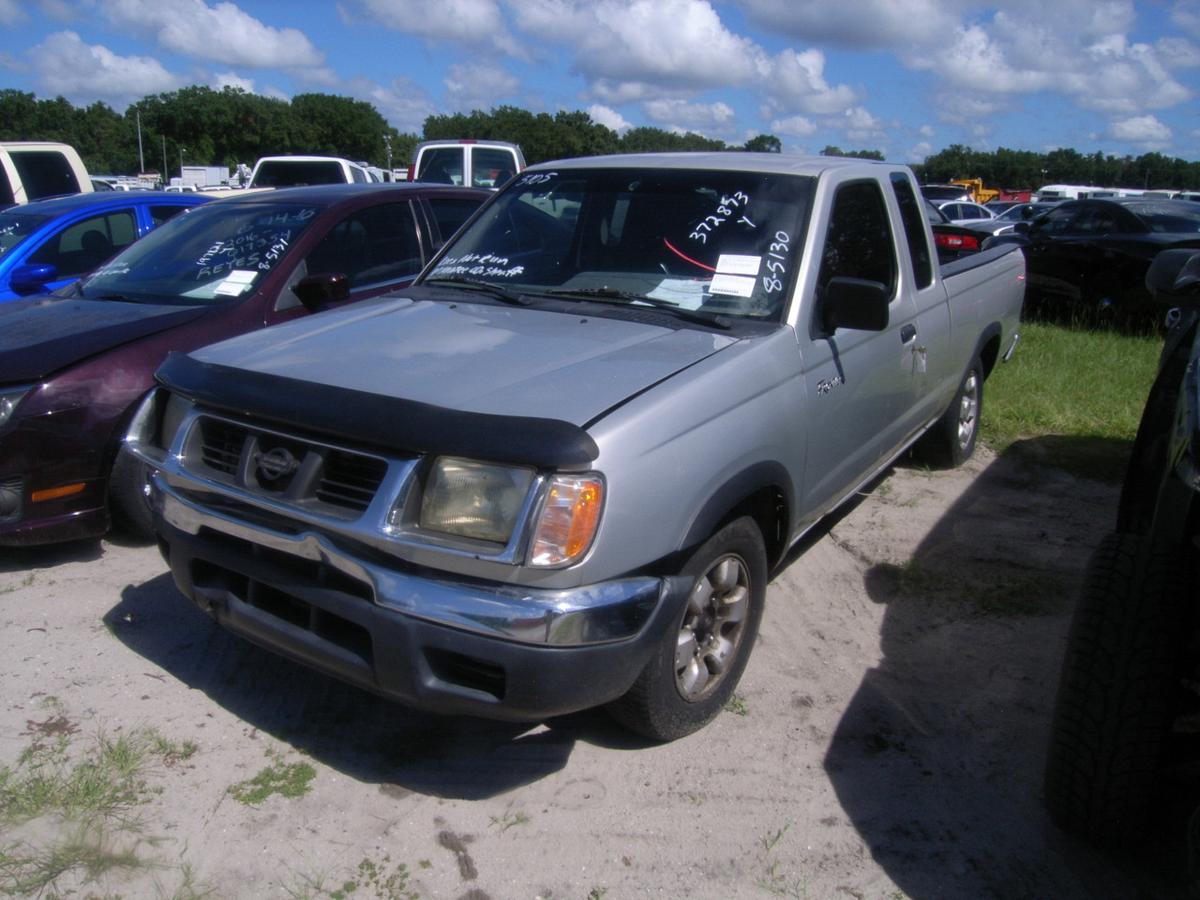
[(74, 365), (47, 244), (1090, 257), (1128, 701)]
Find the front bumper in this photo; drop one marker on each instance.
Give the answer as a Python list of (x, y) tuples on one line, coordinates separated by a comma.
[(411, 634), (43, 454)]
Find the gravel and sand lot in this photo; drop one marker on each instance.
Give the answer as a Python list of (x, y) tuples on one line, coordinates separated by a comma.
[(886, 740)]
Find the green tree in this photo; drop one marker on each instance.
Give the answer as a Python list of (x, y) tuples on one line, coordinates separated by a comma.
[(763, 143)]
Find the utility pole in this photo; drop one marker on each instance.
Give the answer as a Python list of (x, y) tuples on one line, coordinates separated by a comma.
[(164, 171), (387, 145), (141, 156)]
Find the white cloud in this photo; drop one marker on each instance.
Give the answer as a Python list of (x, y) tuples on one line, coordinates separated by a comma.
[(859, 125), (478, 86), (918, 152), (222, 33), (478, 23), (608, 117), (926, 131), (794, 126), (1146, 130), (68, 66), (1177, 53), (865, 24), (11, 13), (233, 79), (666, 42), (796, 81), (679, 115), (402, 103)]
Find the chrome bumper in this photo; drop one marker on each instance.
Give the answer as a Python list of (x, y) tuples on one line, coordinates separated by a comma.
[(574, 617)]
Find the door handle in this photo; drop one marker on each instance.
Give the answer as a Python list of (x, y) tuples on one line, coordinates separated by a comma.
[(907, 333)]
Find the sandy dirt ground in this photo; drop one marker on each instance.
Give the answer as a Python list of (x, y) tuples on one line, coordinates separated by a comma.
[(886, 741)]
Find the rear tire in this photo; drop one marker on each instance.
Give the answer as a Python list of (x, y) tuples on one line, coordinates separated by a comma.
[(1119, 690), (128, 501), (697, 666), (951, 441)]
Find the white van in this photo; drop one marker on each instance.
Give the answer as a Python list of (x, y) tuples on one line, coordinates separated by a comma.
[(31, 170), (466, 162), (296, 171)]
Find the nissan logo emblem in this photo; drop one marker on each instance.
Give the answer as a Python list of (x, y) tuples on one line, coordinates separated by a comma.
[(276, 463)]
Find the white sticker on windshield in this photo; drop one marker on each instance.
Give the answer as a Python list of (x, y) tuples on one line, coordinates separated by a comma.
[(737, 285), (241, 276), (231, 288), (733, 264), (686, 293)]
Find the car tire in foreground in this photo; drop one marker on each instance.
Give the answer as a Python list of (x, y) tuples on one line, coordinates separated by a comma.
[(128, 502), (951, 441), (693, 673), (1119, 690)]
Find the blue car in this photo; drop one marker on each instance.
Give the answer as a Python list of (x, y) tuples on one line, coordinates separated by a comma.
[(50, 243)]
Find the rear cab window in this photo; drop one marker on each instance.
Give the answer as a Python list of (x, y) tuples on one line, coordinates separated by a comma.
[(913, 223), (44, 173), (441, 165)]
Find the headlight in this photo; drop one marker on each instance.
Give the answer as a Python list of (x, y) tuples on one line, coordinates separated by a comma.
[(9, 398), (474, 500), (568, 520)]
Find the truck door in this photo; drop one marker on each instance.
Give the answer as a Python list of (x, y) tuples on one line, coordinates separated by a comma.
[(857, 383)]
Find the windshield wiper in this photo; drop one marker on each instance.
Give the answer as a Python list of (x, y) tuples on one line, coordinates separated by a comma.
[(484, 287), (614, 296)]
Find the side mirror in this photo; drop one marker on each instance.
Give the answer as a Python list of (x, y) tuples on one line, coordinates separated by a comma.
[(318, 291), (31, 279), (1174, 277), (1021, 227), (854, 303)]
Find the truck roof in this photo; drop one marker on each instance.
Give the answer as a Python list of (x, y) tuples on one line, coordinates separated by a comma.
[(737, 161)]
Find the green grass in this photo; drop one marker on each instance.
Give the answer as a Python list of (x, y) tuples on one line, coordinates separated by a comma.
[(1071, 397), (286, 779), (87, 797)]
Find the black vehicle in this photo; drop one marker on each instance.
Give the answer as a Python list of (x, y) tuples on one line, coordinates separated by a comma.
[(1090, 257), (1132, 666)]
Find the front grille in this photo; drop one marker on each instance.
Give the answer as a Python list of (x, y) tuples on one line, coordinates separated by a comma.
[(350, 481), (221, 445), (286, 468)]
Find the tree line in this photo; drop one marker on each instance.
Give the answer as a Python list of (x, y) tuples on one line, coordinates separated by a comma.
[(202, 126)]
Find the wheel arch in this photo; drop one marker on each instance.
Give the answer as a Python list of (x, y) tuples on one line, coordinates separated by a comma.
[(987, 349), (762, 491)]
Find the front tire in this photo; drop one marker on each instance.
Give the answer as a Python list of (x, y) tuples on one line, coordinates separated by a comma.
[(1119, 691), (128, 502), (951, 441), (693, 673)]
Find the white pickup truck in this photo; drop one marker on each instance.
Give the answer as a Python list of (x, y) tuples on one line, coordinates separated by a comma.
[(557, 472)]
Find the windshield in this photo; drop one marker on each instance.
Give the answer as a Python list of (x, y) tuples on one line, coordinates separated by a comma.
[(15, 227), (721, 242), (210, 253)]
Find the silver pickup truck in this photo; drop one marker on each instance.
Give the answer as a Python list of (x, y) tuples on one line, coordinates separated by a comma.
[(556, 472)]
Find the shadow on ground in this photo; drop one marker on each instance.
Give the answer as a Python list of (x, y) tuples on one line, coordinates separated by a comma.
[(938, 759), (346, 728)]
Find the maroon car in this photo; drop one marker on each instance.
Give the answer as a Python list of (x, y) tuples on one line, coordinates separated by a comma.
[(73, 365)]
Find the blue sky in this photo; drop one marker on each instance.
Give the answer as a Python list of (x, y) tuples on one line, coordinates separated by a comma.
[(907, 77)]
